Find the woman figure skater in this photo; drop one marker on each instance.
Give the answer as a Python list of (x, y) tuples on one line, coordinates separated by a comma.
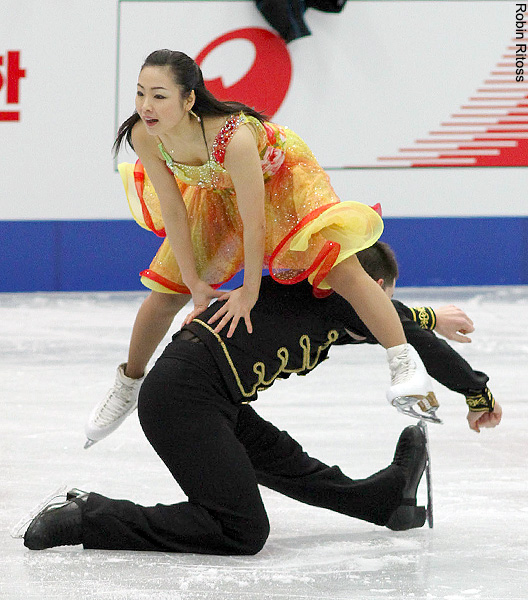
[(230, 190)]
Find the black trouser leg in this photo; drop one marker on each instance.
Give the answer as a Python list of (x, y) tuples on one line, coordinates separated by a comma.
[(186, 416), (283, 466)]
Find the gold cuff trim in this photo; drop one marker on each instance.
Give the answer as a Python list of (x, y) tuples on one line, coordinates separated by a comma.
[(481, 401), (424, 316)]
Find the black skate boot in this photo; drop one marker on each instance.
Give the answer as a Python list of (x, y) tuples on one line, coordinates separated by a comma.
[(57, 524), (411, 456)]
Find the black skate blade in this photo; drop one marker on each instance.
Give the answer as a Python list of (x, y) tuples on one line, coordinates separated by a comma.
[(428, 477)]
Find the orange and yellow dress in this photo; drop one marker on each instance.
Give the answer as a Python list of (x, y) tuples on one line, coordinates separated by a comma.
[(308, 229)]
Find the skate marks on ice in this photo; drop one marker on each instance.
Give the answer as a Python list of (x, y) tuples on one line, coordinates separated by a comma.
[(362, 565), (316, 567)]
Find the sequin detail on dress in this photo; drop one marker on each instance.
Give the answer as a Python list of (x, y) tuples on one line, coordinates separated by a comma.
[(224, 137)]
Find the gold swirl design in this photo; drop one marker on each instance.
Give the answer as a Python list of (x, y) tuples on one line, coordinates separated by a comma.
[(259, 368), (424, 316)]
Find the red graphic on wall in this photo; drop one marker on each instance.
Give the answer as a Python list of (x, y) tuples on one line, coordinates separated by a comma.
[(491, 130), (10, 77), (266, 84)]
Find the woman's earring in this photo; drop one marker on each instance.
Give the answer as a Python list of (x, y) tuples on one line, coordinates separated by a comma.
[(192, 113)]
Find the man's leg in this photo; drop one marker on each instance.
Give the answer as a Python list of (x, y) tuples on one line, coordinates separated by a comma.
[(282, 465), (187, 417)]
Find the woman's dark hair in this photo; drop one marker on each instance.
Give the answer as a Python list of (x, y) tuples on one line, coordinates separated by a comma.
[(188, 75), (379, 261)]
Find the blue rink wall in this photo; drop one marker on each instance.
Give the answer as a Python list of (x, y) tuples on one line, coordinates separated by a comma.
[(108, 255)]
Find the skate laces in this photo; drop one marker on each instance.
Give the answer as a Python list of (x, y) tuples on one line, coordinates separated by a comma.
[(402, 367), (114, 405), (401, 454), (404, 455), (68, 529)]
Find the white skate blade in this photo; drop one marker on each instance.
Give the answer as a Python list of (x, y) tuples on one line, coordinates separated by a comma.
[(428, 477), (19, 529), (89, 444)]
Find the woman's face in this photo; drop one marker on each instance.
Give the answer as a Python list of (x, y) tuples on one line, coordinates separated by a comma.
[(158, 100)]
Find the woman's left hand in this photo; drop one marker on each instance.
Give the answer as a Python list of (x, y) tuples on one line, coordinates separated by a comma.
[(238, 306)]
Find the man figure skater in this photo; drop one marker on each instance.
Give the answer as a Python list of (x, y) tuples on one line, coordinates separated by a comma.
[(193, 409)]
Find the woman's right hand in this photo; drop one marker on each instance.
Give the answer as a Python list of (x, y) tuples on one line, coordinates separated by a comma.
[(202, 294)]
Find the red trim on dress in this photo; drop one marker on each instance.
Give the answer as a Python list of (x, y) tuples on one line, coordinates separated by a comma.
[(377, 208), (326, 267), (171, 285), (325, 259), (325, 251), (139, 181)]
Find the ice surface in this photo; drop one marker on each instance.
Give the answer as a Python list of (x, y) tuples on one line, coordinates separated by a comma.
[(58, 354)]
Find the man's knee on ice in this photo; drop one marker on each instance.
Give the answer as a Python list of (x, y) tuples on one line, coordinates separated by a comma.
[(254, 537)]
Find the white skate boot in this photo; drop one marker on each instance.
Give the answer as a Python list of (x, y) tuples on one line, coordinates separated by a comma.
[(410, 384), (119, 402)]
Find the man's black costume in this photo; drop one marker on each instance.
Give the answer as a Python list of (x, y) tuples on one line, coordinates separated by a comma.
[(194, 409)]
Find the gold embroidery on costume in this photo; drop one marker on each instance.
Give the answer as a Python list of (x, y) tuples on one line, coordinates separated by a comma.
[(481, 401), (424, 316), (259, 368)]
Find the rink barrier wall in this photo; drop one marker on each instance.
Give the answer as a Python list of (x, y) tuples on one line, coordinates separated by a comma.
[(97, 255)]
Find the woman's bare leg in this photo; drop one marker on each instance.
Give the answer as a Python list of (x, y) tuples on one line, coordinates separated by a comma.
[(373, 306), (153, 320), (409, 379)]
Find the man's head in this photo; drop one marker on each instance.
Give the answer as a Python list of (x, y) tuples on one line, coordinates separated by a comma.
[(380, 263)]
